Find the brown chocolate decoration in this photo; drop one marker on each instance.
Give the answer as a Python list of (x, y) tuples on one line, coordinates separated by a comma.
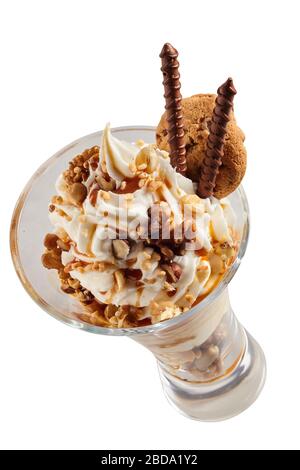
[(216, 139), (170, 66)]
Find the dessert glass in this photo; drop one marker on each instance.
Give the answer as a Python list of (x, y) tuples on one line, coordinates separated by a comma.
[(210, 367)]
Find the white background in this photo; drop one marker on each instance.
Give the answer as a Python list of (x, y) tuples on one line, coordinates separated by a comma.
[(67, 67)]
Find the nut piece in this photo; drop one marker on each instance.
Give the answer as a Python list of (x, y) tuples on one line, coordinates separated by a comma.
[(167, 253), (74, 283), (64, 246), (120, 248), (120, 279), (177, 270), (173, 272), (110, 311), (93, 195), (88, 296), (168, 287), (106, 185), (216, 263), (225, 249), (67, 289), (78, 193), (51, 262), (50, 241), (133, 274), (207, 358), (147, 159)]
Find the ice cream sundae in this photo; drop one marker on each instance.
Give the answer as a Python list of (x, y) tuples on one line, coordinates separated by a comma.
[(137, 238), (132, 240), (143, 240)]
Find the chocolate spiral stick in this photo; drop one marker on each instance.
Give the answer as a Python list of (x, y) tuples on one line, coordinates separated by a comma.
[(170, 66), (215, 144)]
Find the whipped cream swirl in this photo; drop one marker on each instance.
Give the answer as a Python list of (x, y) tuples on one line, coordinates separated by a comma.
[(92, 227)]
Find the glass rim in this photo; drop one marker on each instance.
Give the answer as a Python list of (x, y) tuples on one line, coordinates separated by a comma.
[(105, 330)]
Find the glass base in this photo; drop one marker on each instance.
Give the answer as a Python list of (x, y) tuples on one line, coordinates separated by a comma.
[(222, 398)]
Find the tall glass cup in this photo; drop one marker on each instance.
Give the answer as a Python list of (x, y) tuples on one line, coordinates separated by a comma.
[(210, 367)]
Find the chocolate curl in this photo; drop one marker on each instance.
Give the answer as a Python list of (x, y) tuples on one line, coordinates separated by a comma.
[(170, 66), (216, 139)]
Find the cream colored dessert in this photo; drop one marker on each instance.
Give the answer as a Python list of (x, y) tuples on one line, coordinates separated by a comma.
[(132, 241)]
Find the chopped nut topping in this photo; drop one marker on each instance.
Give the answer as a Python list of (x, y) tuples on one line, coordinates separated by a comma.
[(96, 318), (189, 298), (79, 167), (131, 261), (207, 357), (147, 158), (93, 195), (89, 267), (109, 311), (224, 249), (155, 257), (120, 279), (147, 265), (99, 266), (142, 167), (142, 183), (64, 246), (161, 273), (192, 199), (121, 248), (50, 241), (133, 274), (155, 185), (57, 200), (67, 289), (146, 254), (177, 270), (77, 193), (216, 263), (172, 293), (88, 296), (105, 195), (173, 271), (167, 253), (74, 283), (106, 184), (168, 287), (50, 261)]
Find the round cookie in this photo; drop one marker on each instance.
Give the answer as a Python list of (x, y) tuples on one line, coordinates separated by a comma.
[(197, 112)]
